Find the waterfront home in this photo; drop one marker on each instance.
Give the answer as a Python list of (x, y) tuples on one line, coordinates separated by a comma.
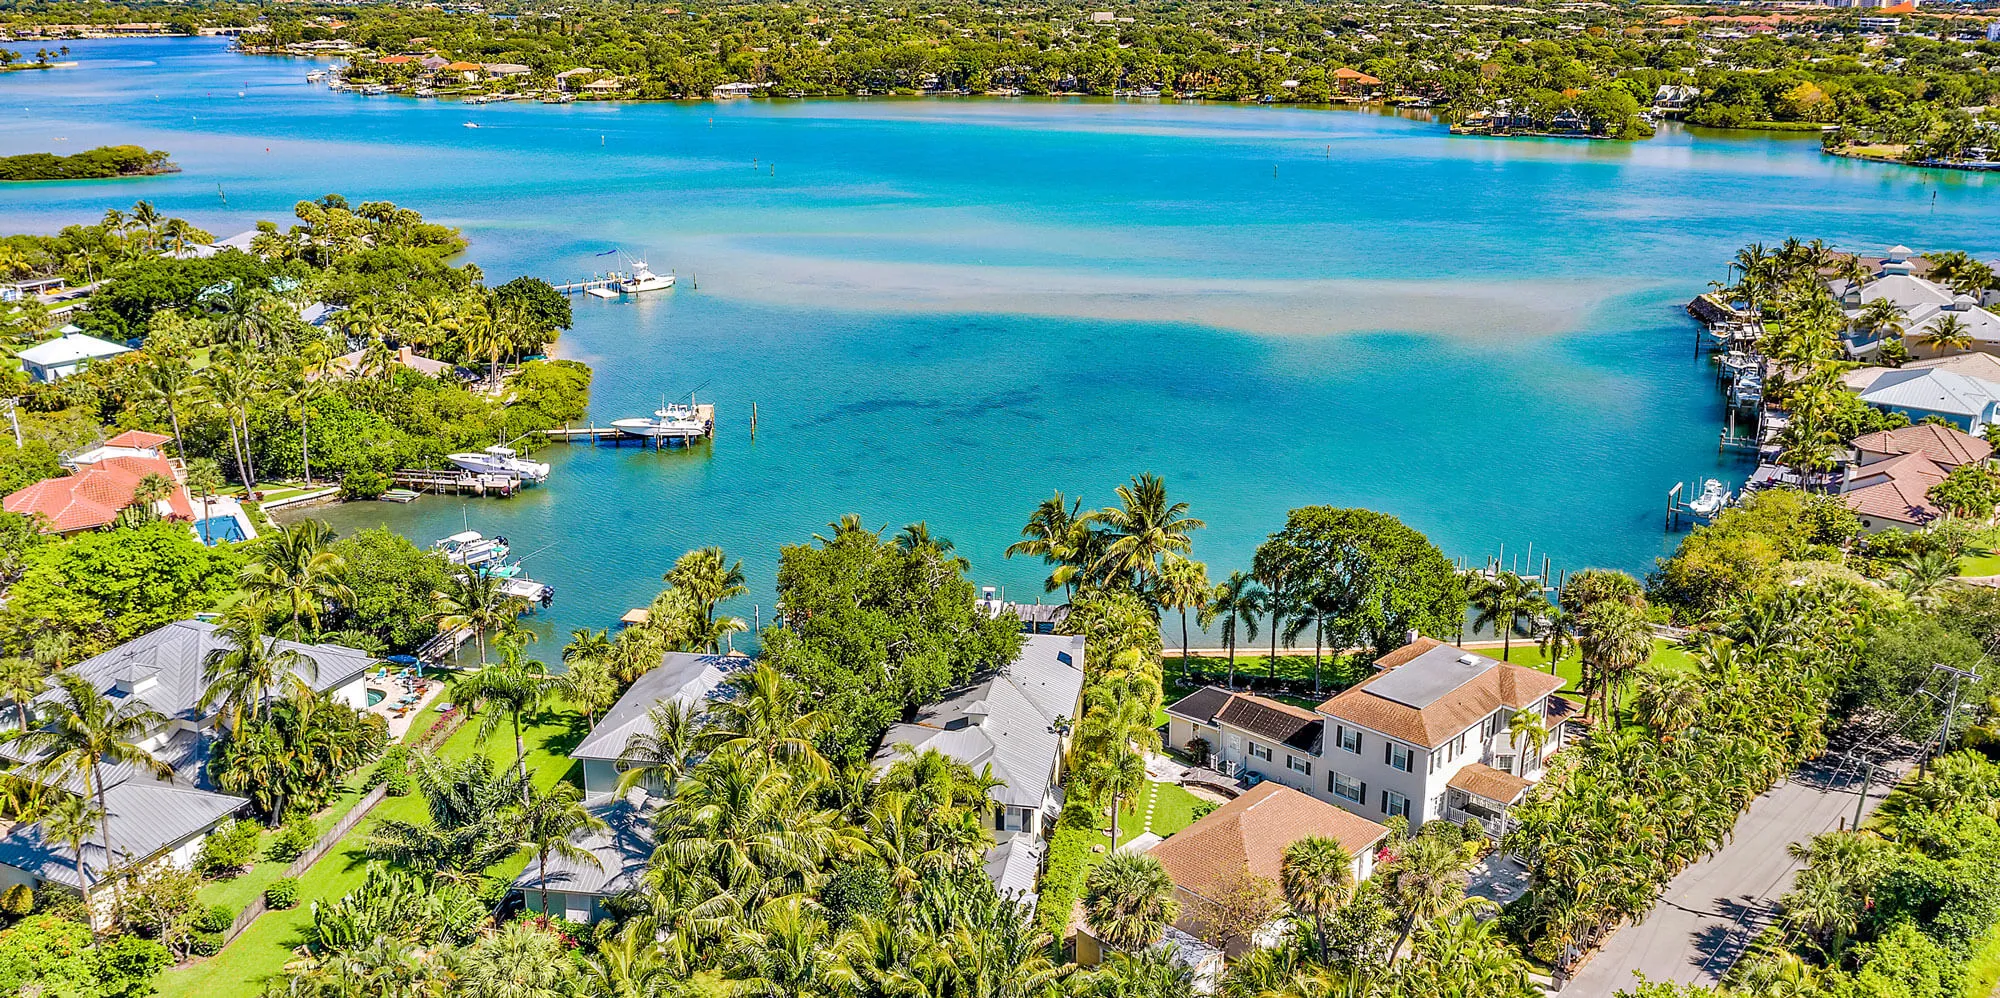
[(1432, 734), (499, 69), (577, 887), (687, 679), (103, 482), (1898, 279), (467, 71), (56, 359), (1012, 724), (156, 819), (38, 288), (1036, 618), (1354, 83), (1947, 447), (349, 364), (1674, 96), (1970, 404), (239, 242), (1213, 859), (1982, 366), (1893, 494)]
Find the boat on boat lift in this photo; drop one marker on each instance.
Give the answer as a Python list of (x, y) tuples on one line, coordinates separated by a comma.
[(671, 420), (501, 460), (471, 549), (643, 279), (523, 588), (1713, 500)]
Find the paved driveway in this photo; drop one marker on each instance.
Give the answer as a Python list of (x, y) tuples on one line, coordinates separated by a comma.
[(1714, 908)]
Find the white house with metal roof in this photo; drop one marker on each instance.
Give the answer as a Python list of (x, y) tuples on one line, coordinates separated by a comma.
[(56, 359), (154, 818), (1967, 403), (1012, 723), (686, 679)]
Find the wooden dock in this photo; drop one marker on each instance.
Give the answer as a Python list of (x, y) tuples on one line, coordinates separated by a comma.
[(455, 481), (598, 434), (608, 282)]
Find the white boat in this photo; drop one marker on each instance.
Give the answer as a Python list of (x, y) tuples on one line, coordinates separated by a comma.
[(498, 460), (315, 76), (471, 125), (643, 279), (675, 421), (471, 549), (523, 588), (1713, 499)]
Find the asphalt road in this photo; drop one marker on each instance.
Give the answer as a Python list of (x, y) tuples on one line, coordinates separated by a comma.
[(1714, 908)]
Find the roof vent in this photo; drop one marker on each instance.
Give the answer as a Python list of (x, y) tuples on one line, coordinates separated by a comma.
[(1063, 657), (134, 681), (1468, 659)]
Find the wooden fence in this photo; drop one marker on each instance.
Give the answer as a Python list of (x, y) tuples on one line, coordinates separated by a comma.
[(304, 862)]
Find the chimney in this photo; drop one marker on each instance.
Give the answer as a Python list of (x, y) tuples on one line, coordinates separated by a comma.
[(1410, 636)]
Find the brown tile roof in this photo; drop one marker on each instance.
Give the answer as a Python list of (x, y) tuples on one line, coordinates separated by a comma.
[(1251, 832), (1344, 73), (1895, 489), (94, 495), (1945, 445), (1202, 705), (1481, 780), (1280, 722), (1502, 685)]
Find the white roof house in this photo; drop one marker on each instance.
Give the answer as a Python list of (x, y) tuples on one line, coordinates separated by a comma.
[(1969, 403), (59, 358)]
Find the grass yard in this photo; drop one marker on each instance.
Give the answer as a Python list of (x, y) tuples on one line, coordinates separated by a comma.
[(238, 892), (1974, 567), (1570, 668), (265, 948)]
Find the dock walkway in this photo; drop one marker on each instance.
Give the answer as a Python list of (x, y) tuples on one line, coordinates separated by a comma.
[(455, 481), (597, 434)]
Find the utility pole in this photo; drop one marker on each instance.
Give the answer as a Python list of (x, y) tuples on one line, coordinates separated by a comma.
[(15, 420), (1958, 676), (1861, 799)]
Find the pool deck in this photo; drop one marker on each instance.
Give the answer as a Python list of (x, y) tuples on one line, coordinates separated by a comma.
[(399, 724)]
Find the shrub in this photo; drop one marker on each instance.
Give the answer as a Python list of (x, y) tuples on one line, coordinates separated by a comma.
[(1069, 861), (393, 772), (363, 484), (56, 902), (215, 918), (18, 901), (854, 890), (205, 943), (228, 850), (283, 893), (293, 840)]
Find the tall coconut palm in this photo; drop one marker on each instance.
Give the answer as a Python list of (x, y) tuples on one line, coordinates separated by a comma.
[(474, 600), (250, 666), (1502, 602), (1183, 585), (82, 730), (1128, 901), (1144, 528), (71, 821), (22, 679), (662, 754), (707, 575), (1946, 334), (169, 379), (1428, 880), (1616, 639), (1238, 603), (784, 955), (1317, 875), (1528, 731), (513, 686), (1063, 537), (549, 823), (765, 715), (234, 386), (1555, 635), (297, 573), (147, 219)]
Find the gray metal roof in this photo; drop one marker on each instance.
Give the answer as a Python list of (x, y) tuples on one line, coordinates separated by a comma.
[(1933, 391), (147, 818), (622, 851), (172, 659), (688, 679), (1422, 680), (1005, 720), (1013, 866)]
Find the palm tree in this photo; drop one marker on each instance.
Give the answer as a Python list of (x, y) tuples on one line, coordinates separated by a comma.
[(1529, 731), (1115, 773), (297, 571), (514, 686), (1317, 875), (82, 729), (1616, 639), (1881, 317), (204, 478), (251, 666), (1144, 528), (1129, 901), (1946, 333), (1502, 602), (1062, 537), (1238, 603), (247, 319), (1150, 973), (1555, 635), (469, 809), (234, 387), (1183, 585), (519, 961), (548, 823), (1427, 880), (167, 377), (784, 956), (72, 821), (21, 681), (474, 599), (663, 753), (707, 576), (147, 218), (763, 715)]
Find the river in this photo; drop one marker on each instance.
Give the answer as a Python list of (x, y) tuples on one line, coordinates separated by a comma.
[(944, 309)]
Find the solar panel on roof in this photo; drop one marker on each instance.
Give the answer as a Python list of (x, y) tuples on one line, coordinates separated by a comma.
[(1423, 680)]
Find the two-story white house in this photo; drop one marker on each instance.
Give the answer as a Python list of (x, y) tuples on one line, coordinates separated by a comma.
[(1432, 734)]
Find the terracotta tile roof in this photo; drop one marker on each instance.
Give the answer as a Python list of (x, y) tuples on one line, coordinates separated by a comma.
[(1945, 445), (1280, 722), (1202, 705), (138, 440), (1500, 685), (1343, 73), (1251, 833), (95, 493), (1481, 780), (1895, 489), (463, 67)]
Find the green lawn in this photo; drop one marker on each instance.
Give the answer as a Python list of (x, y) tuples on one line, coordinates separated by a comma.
[(238, 892), (264, 949), (1570, 668), (1975, 567)]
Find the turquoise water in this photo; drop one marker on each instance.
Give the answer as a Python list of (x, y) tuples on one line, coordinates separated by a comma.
[(945, 309)]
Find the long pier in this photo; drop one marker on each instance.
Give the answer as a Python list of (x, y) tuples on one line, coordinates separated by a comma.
[(597, 434), (607, 282), (454, 481)]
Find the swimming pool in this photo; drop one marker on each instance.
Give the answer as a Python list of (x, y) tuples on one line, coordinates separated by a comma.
[(217, 529), (376, 696)]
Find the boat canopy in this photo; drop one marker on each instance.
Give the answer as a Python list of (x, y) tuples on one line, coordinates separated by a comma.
[(465, 537)]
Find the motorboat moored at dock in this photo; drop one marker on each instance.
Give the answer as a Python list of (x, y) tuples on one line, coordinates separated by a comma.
[(671, 422), (643, 279), (500, 460), (472, 549)]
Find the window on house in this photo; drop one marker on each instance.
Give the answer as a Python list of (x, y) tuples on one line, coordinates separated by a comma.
[(1437, 806), (1346, 788), (1458, 745), (1398, 757), (1259, 751), (1350, 740), (1506, 764), (1395, 804), (1299, 765)]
